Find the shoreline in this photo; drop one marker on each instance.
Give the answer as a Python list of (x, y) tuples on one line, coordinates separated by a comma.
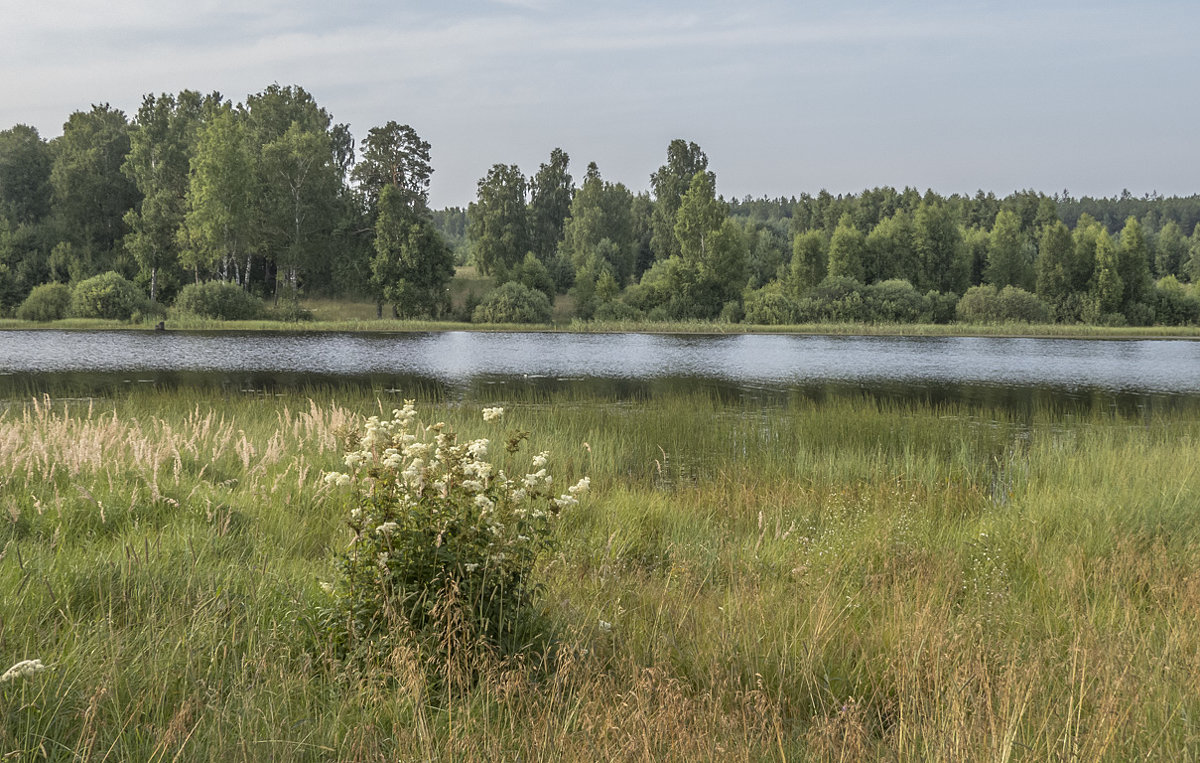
[(1002, 331)]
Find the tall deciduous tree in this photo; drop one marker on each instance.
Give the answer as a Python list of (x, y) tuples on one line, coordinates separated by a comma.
[(162, 141), (1107, 287), (90, 193), (600, 212), (303, 178), (1056, 252), (497, 221), (699, 216), (937, 241), (551, 191), (669, 183), (1010, 253), (809, 261), (846, 249), (25, 163), (412, 264), (889, 249), (221, 228), (1133, 265), (1170, 250)]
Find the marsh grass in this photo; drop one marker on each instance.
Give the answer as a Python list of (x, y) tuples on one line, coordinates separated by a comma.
[(845, 580)]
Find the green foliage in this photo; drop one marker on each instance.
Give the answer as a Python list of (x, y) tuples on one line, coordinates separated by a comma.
[(1053, 269), (445, 544), (395, 156), (700, 215), (600, 222), (847, 248), (551, 191), (894, 301), (1175, 304), (25, 162), (1010, 253), (769, 306), (670, 182), (513, 303), (498, 222), (809, 261), (91, 194), (412, 265), (678, 290), (219, 300), (48, 302), (988, 304), (938, 246), (1133, 265), (533, 274), (220, 225), (108, 295), (615, 310), (1170, 250)]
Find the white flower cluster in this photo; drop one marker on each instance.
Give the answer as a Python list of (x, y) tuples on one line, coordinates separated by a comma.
[(23, 669), (423, 479)]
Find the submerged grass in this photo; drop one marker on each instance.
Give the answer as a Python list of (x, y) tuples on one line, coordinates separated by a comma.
[(843, 580)]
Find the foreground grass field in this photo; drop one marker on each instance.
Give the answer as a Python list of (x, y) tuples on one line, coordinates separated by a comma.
[(843, 580)]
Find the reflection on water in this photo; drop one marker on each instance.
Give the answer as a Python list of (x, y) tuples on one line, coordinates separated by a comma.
[(1004, 372)]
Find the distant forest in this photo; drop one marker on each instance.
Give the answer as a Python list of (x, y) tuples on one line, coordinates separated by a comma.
[(272, 198)]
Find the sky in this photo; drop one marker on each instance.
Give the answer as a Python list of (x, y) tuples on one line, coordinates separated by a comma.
[(784, 97)]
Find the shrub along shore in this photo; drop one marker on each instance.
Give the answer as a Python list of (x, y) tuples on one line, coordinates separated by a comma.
[(844, 580)]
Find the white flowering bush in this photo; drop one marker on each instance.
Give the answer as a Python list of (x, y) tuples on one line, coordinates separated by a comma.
[(442, 539)]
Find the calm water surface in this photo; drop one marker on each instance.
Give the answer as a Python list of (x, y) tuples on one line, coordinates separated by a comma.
[(938, 366)]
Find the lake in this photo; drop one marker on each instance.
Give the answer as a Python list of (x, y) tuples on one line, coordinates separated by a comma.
[(1004, 371)]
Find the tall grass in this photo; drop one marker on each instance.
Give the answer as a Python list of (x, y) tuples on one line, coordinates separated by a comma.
[(844, 580)]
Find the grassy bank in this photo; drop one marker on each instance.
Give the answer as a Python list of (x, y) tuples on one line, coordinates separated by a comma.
[(327, 321), (837, 581)]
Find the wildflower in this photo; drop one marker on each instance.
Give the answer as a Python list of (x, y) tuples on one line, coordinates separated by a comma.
[(355, 459), (387, 528), (492, 414), (474, 486), (470, 567), (540, 459), (580, 487), (566, 501), (326, 587), (23, 669), (518, 495), (606, 626), (478, 448), (484, 503), (343, 480)]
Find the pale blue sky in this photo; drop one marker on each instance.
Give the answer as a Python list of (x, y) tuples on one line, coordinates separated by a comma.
[(784, 97)]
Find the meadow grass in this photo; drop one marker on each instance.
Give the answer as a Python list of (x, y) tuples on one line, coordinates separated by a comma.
[(840, 580)]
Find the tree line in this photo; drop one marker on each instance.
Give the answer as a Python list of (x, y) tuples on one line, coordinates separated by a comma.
[(271, 196)]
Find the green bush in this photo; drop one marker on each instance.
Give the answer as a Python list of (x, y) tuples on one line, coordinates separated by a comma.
[(290, 311), (220, 300), (1175, 304), (48, 302), (893, 301), (445, 545), (616, 310), (532, 273), (769, 306), (513, 303), (986, 304), (108, 295)]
